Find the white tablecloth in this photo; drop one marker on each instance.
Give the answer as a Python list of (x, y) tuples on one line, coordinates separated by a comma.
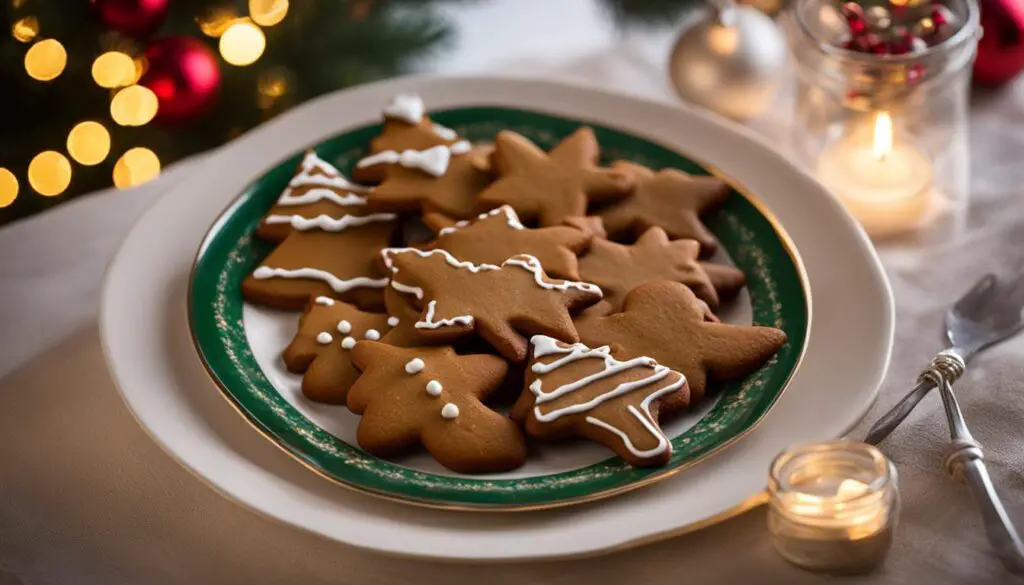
[(86, 497)]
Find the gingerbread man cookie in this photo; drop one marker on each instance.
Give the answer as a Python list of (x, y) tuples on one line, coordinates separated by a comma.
[(618, 268), (552, 187), (432, 396), (499, 303), (669, 199), (497, 235), (665, 321), (576, 390)]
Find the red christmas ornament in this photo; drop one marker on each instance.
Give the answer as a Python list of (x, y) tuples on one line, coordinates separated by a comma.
[(135, 18), (184, 74), (1001, 49)]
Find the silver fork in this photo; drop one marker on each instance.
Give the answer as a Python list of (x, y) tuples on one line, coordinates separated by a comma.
[(988, 314)]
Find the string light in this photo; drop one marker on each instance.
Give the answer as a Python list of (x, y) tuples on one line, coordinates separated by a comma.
[(25, 29), (268, 12), (49, 173), (8, 187), (134, 105), (89, 143), (216, 21), (135, 167), (242, 43), (113, 69), (45, 60)]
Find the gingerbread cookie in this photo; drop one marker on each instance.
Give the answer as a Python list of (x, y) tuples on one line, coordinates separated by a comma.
[(406, 127), (318, 197), (618, 268), (437, 179), (665, 321), (552, 187), (726, 280), (669, 199), (432, 396), (576, 390), (499, 303), (497, 235)]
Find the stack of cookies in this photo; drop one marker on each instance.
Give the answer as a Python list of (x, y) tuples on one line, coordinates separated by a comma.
[(597, 326)]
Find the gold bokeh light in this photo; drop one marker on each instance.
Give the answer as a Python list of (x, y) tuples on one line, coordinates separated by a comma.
[(25, 29), (216, 21), (135, 167), (242, 43), (49, 173), (46, 60), (134, 105), (268, 12), (8, 187), (113, 69), (89, 143)]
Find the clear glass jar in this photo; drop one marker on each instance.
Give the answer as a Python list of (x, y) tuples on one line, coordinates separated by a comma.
[(887, 134), (833, 506)]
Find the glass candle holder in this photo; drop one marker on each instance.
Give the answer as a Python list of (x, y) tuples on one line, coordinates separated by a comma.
[(886, 133), (833, 506)]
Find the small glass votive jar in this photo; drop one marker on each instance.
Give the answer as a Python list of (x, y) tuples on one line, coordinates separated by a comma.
[(833, 506), (886, 134)]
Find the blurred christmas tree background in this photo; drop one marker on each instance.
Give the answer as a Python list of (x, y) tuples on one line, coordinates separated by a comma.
[(101, 92)]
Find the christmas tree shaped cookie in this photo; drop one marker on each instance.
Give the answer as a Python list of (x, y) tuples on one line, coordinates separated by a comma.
[(574, 390), (665, 321), (552, 187), (497, 235), (499, 303), (618, 268), (669, 199), (432, 396)]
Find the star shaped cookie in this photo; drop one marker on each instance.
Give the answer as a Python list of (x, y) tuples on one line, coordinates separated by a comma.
[(432, 396), (669, 199), (497, 235), (499, 303), (576, 390), (665, 321), (552, 187)]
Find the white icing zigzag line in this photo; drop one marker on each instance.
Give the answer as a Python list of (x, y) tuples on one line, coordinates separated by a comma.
[(444, 132), (531, 264), (333, 179), (433, 161), (328, 223), (339, 285), (510, 217), (429, 323), (387, 254), (407, 107)]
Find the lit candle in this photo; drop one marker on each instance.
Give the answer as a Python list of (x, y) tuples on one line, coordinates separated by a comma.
[(886, 184), (832, 506)]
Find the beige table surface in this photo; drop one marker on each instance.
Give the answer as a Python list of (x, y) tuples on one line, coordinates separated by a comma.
[(86, 497)]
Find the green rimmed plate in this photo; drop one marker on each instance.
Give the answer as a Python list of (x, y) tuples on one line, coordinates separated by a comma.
[(232, 339)]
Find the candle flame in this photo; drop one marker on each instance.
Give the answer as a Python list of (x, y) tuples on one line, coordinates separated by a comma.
[(881, 146)]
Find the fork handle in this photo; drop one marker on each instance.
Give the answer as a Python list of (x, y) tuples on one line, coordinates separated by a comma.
[(892, 419)]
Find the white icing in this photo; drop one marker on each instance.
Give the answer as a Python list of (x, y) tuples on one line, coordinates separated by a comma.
[(531, 264), (461, 147), (407, 107), (510, 217), (329, 177), (318, 194), (344, 327), (414, 366), (449, 411), (545, 346), (444, 132), (372, 334), (393, 321), (325, 301), (328, 223), (433, 161), (434, 388), (429, 323), (387, 254), (348, 343), (339, 285), (324, 338)]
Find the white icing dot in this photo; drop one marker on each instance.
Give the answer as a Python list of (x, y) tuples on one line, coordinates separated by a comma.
[(450, 411), (348, 343), (392, 321), (344, 327), (326, 301), (324, 338), (434, 388), (414, 366), (372, 334)]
